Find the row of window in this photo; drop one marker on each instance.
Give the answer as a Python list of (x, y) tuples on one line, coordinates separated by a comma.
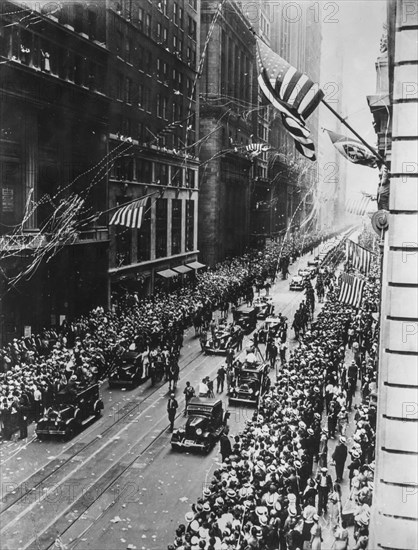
[(125, 252), (30, 49), (139, 94), (236, 69), (177, 140), (146, 171), (133, 52), (141, 18)]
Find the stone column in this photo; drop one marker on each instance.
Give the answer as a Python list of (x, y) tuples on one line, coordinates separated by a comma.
[(395, 512)]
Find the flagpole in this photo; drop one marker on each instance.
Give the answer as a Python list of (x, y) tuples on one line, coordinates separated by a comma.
[(369, 147)]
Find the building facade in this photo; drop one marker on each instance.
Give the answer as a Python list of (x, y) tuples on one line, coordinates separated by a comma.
[(394, 517), (100, 105), (54, 126), (153, 56)]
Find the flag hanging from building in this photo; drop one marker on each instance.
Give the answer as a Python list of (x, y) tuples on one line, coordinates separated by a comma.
[(352, 150), (255, 149), (130, 215), (291, 92), (358, 206), (359, 257), (351, 290)]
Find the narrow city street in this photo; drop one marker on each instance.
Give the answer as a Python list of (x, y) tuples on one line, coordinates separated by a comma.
[(122, 466)]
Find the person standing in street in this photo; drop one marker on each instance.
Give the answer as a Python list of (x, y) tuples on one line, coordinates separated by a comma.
[(225, 445), (324, 486), (220, 379), (172, 407), (22, 417), (339, 456), (188, 394), (283, 350)]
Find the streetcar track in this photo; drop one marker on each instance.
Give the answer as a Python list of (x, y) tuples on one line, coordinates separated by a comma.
[(109, 486), (13, 500)]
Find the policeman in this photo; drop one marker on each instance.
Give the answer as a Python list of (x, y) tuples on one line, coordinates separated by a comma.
[(172, 407)]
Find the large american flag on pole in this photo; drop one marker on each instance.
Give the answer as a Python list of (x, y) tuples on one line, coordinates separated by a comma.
[(359, 257), (351, 290), (130, 215), (291, 92)]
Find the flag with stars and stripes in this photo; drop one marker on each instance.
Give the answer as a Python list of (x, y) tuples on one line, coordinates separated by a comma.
[(351, 290), (291, 92), (255, 149), (130, 215), (359, 257), (359, 205)]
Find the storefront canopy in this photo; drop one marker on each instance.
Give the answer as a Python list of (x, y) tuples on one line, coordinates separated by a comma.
[(195, 265), (167, 273), (182, 269)]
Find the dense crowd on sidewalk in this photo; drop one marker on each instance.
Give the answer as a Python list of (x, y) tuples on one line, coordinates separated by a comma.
[(35, 368), (276, 479)]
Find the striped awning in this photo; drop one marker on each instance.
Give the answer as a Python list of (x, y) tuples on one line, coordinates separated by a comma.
[(182, 269), (167, 273), (195, 265)]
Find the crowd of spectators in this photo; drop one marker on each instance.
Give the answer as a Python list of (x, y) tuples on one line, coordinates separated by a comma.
[(271, 490), (33, 369)]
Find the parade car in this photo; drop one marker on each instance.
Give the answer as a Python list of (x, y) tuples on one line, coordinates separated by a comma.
[(297, 282), (314, 262), (272, 324), (307, 273), (263, 306), (221, 343), (206, 421), (73, 411), (246, 318), (251, 383), (312, 270), (128, 373)]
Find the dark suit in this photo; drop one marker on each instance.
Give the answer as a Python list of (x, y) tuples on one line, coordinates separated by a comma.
[(340, 456)]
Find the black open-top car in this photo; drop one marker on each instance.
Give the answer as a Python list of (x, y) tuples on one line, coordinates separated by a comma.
[(129, 372), (73, 410), (206, 421), (224, 339), (251, 383), (246, 318)]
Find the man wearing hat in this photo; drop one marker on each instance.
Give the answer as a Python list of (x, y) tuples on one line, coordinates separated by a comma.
[(172, 407), (355, 465), (324, 485), (225, 444), (339, 456)]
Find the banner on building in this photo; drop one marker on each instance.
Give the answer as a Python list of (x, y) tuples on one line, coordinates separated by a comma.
[(351, 290), (359, 257), (130, 215)]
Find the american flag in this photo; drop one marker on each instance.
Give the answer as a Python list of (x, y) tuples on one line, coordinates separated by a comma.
[(169, 129), (257, 148), (351, 290), (291, 92), (359, 205), (130, 215), (359, 257)]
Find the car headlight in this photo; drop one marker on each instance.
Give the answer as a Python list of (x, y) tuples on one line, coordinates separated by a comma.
[(199, 431), (250, 391)]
